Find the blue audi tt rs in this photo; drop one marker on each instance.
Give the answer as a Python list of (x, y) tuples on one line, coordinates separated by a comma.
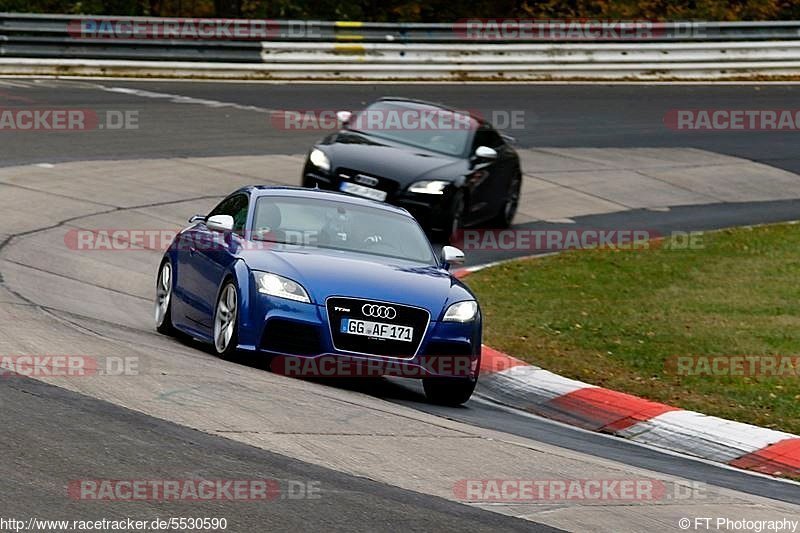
[(311, 274)]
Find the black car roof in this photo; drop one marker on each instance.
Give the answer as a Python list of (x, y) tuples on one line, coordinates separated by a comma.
[(437, 105)]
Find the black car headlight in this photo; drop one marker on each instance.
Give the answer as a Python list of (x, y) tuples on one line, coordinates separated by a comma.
[(461, 311), (429, 187), (280, 287), (319, 159)]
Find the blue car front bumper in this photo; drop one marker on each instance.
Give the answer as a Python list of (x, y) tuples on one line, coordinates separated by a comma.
[(279, 327)]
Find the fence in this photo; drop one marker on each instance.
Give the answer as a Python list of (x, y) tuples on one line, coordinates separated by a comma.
[(481, 49)]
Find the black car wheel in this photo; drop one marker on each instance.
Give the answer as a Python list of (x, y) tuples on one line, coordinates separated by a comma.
[(506, 215), (454, 219), (448, 391)]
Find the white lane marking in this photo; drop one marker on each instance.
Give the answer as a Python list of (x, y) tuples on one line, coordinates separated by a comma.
[(483, 400), (181, 99), (50, 83), (471, 269), (45, 165), (476, 268), (16, 84)]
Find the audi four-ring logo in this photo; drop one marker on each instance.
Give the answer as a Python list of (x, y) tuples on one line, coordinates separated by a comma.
[(379, 311)]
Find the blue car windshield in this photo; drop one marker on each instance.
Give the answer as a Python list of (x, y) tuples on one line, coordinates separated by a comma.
[(418, 125), (315, 223)]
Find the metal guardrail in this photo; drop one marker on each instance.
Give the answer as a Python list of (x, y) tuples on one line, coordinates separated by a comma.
[(64, 44), (56, 25), (531, 54)]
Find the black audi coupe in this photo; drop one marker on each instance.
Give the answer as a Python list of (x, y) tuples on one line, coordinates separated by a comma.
[(448, 168)]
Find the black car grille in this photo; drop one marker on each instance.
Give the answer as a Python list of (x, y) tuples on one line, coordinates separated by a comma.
[(291, 338), (339, 308), (368, 180)]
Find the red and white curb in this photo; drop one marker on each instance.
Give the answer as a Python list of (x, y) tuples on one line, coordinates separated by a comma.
[(509, 381), (512, 382)]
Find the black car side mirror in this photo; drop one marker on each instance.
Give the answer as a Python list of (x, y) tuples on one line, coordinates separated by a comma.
[(343, 117), (485, 153)]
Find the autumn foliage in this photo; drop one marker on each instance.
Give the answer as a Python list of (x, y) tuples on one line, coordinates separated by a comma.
[(429, 11)]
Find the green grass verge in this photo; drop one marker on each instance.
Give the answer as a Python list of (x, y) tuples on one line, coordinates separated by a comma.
[(614, 319)]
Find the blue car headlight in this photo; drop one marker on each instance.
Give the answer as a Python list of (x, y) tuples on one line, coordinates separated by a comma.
[(280, 287), (461, 311)]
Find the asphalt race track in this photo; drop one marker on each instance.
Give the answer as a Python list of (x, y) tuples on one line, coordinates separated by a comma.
[(69, 427), (383, 458), (552, 115)]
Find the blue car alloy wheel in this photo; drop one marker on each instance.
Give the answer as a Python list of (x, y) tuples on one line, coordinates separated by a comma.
[(315, 276)]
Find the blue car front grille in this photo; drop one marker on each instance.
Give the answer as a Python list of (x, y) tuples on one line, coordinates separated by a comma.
[(340, 308)]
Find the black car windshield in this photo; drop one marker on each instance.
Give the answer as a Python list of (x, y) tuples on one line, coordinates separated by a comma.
[(316, 223), (419, 125)]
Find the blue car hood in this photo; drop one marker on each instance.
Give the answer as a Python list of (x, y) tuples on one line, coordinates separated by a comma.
[(326, 273)]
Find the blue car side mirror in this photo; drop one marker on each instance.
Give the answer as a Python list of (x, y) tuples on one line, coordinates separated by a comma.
[(452, 256)]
